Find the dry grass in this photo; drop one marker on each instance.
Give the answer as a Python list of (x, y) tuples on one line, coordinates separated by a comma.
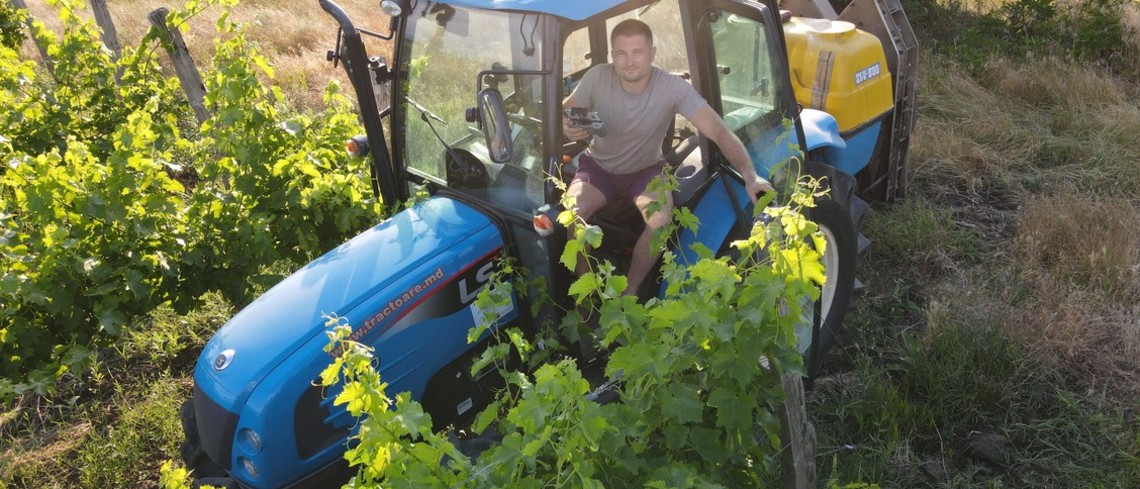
[(35, 455), (295, 35), (1049, 82), (1090, 243), (1044, 125), (1130, 17), (1079, 266), (1040, 159), (1094, 341), (1022, 216), (1014, 262), (979, 6), (961, 125)]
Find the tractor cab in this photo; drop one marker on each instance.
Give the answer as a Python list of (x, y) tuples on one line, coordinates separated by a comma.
[(476, 89)]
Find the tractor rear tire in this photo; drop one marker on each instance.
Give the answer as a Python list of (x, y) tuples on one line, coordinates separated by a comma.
[(839, 216), (839, 260)]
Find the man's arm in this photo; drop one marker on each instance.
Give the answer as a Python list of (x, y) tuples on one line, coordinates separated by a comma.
[(709, 124)]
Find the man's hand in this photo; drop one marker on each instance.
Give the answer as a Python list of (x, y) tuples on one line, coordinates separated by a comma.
[(755, 186), (572, 132)]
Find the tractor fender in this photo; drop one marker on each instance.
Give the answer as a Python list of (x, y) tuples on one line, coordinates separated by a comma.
[(719, 210), (820, 130)]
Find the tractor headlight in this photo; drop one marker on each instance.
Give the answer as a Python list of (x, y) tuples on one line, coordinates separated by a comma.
[(392, 8), (248, 466), (250, 439)]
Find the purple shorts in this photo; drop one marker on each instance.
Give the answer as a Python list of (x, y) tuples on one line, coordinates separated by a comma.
[(626, 187)]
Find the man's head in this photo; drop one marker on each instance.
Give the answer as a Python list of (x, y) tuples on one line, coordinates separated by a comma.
[(632, 50)]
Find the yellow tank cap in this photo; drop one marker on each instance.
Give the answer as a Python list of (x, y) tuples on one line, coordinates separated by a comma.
[(827, 28)]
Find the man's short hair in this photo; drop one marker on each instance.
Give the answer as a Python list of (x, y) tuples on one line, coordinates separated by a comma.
[(632, 27)]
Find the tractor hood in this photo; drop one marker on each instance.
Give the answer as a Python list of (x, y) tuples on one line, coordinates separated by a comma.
[(271, 329)]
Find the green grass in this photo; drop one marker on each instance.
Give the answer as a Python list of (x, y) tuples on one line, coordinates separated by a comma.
[(121, 453), (965, 406), (114, 426), (933, 389), (922, 236)]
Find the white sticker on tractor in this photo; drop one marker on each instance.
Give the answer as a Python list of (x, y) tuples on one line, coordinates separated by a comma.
[(478, 313), (464, 406), (868, 73)]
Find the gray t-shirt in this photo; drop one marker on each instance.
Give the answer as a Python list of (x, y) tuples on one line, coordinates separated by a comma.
[(635, 124)]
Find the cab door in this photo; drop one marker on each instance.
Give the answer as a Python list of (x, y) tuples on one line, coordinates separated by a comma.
[(741, 68), (737, 64)]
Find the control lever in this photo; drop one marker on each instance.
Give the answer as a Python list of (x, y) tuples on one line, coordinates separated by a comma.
[(586, 119)]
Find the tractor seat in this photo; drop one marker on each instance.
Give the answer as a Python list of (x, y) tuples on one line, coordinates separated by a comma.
[(621, 218), (685, 160)]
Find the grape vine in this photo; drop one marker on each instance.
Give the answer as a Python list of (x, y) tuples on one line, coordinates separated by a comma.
[(114, 201), (699, 374)]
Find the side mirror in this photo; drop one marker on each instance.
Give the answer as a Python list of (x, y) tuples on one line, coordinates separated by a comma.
[(496, 125)]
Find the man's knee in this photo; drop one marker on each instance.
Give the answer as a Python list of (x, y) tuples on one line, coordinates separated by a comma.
[(658, 220), (587, 199), (656, 213)]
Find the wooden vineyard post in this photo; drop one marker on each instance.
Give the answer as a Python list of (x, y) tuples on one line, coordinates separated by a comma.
[(184, 65), (20, 5), (798, 436), (110, 35)]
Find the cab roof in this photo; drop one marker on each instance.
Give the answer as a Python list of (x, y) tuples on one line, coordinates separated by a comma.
[(570, 9)]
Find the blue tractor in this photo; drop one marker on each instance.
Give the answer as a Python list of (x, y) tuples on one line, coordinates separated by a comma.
[(469, 111)]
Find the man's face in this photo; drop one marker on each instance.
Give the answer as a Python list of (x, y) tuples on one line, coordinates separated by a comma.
[(633, 57)]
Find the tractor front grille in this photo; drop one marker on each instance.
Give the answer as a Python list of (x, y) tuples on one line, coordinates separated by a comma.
[(314, 428), (216, 428)]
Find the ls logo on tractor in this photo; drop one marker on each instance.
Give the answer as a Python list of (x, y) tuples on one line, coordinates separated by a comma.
[(482, 276), (224, 359)]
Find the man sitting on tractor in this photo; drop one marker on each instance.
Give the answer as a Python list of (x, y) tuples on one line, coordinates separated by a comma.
[(637, 101)]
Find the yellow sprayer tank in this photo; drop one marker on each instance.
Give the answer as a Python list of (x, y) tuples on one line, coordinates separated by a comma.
[(838, 69)]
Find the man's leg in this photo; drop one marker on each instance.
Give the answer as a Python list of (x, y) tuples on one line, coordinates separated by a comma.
[(588, 200), (644, 255)]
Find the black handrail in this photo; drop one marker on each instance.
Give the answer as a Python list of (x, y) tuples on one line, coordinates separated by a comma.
[(351, 51)]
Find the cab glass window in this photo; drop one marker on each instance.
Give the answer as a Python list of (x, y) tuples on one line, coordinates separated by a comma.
[(752, 94), (446, 50)]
